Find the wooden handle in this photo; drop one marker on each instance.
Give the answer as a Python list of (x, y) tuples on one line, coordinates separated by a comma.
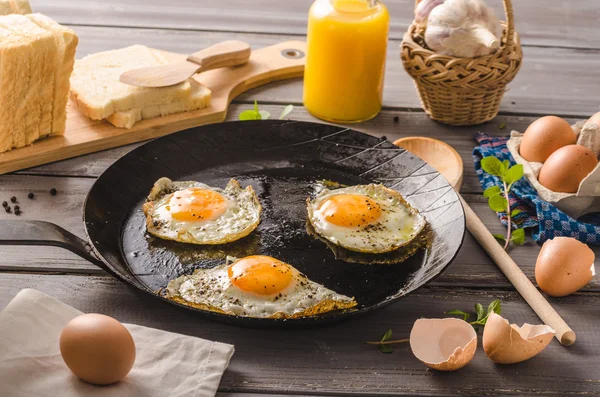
[(519, 280), (224, 54)]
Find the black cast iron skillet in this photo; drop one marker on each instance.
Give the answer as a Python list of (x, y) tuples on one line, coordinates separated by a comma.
[(282, 160)]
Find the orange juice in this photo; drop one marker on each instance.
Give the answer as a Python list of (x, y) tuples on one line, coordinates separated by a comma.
[(345, 60)]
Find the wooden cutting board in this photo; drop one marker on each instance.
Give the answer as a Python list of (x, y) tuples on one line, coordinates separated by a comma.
[(83, 135)]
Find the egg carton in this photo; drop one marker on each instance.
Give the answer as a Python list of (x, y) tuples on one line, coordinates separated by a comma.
[(587, 198)]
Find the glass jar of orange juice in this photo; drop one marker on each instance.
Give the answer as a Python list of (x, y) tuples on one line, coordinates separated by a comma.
[(345, 60)]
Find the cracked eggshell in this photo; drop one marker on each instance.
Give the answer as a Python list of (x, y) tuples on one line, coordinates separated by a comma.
[(445, 344), (506, 343), (564, 265)]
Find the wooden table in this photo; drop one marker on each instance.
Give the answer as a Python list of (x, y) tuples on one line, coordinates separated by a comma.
[(560, 75)]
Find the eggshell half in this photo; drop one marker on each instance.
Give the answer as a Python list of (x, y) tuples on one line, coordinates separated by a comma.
[(506, 343), (445, 344), (564, 266)]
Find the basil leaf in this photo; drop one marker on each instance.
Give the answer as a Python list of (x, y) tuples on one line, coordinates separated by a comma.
[(387, 335), (498, 203), (514, 213), (492, 190), (493, 166), (479, 310), (518, 236), (499, 237), (249, 115), (256, 106), (514, 173), (494, 307), (459, 313), (286, 110), (386, 349), (506, 164)]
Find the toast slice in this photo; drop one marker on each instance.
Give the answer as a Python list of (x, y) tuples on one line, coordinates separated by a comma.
[(14, 7), (66, 42), (98, 93), (34, 109), (198, 99)]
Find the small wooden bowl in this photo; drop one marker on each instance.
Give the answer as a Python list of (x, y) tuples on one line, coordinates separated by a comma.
[(437, 154)]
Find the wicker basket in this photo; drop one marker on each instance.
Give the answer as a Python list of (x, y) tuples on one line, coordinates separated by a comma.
[(462, 91)]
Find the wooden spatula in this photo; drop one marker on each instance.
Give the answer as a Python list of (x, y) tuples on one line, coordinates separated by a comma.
[(224, 54)]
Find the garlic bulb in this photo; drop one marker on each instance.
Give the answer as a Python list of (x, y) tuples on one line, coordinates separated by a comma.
[(463, 28), (424, 9)]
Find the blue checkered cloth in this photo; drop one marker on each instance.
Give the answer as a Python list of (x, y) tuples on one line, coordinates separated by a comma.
[(548, 221)]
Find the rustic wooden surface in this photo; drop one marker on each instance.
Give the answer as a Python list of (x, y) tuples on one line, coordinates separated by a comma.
[(560, 76)]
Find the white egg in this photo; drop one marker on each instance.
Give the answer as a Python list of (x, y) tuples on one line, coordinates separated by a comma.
[(256, 286), (365, 218), (192, 212)]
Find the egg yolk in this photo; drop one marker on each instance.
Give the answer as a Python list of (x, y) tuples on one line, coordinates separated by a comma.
[(196, 204), (350, 210), (260, 274)]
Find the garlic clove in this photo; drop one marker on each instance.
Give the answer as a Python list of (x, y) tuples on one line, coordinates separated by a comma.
[(506, 343), (424, 8), (444, 344)]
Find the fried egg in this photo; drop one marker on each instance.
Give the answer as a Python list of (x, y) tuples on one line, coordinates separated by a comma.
[(364, 218), (192, 212), (256, 286)]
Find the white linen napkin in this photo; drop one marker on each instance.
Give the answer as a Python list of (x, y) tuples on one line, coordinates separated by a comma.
[(167, 364)]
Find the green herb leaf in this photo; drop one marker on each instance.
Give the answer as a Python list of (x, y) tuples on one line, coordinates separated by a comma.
[(498, 203), (514, 173), (492, 190), (506, 164), (249, 115), (387, 335), (494, 307), (502, 126), (287, 110), (459, 313), (514, 213), (499, 237), (493, 166), (264, 114), (518, 237), (386, 349), (479, 310), (256, 106)]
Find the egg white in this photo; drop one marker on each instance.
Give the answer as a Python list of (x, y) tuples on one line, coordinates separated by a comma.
[(241, 217), (398, 224), (211, 289)]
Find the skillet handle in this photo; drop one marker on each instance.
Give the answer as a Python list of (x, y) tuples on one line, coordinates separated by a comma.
[(48, 234)]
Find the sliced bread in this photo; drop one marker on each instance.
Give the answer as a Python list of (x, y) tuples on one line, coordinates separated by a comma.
[(14, 7), (34, 109), (66, 42), (198, 99), (98, 93)]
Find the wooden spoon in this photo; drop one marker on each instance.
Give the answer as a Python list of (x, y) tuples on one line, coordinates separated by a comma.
[(448, 162), (226, 53)]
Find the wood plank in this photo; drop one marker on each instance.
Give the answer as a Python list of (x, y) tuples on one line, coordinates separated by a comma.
[(409, 124), (553, 81), (555, 23), (471, 268), (334, 359)]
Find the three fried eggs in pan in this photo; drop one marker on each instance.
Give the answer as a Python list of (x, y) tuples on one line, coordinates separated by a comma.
[(365, 218)]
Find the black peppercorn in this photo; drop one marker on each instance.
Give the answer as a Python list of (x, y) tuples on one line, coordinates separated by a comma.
[(17, 212), (17, 208), (396, 119), (30, 196), (13, 199), (7, 209), (53, 191), (4, 204)]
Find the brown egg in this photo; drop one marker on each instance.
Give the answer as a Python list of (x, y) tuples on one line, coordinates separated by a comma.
[(564, 266), (595, 119), (564, 170), (506, 343), (544, 136), (97, 348)]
